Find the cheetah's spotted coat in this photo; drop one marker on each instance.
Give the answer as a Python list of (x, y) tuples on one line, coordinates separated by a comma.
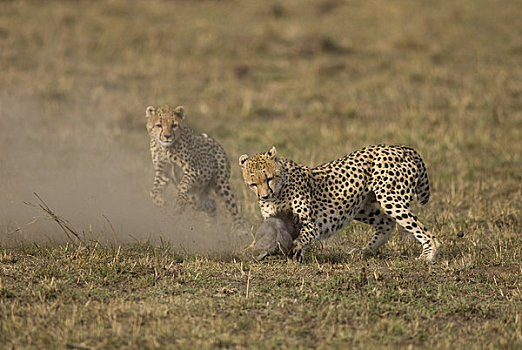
[(204, 164), (374, 185)]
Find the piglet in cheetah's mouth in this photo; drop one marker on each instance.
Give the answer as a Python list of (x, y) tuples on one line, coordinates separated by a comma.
[(274, 236)]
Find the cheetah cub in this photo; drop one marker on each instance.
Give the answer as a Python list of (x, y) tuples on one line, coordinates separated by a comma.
[(204, 165), (374, 185)]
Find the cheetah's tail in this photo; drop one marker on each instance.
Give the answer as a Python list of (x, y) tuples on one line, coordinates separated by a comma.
[(423, 186)]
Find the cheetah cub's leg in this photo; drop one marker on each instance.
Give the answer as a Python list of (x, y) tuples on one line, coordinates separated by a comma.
[(208, 205), (161, 180), (185, 194), (204, 203), (177, 174), (403, 216), (384, 225)]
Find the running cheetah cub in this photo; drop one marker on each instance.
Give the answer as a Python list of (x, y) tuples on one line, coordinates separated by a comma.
[(204, 165), (374, 185)]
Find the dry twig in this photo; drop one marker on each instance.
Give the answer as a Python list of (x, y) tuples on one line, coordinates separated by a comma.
[(64, 224)]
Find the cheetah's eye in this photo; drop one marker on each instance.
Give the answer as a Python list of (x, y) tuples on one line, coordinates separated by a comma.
[(158, 126), (174, 126), (268, 179), (252, 185)]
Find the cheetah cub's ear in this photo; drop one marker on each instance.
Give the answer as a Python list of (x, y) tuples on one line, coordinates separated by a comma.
[(242, 160), (149, 112), (273, 153), (180, 112)]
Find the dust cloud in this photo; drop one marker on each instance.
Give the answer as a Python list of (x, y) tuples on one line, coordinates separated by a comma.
[(94, 177)]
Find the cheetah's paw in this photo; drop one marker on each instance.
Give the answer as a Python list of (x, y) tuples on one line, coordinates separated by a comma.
[(157, 200), (296, 254)]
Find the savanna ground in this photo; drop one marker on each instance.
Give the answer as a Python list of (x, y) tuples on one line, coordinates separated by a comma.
[(317, 79)]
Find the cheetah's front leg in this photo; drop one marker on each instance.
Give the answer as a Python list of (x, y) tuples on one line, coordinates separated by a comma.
[(307, 233), (161, 180), (184, 187), (303, 240)]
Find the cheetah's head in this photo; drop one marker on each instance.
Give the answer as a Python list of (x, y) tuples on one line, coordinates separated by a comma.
[(163, 124), (262, 174)]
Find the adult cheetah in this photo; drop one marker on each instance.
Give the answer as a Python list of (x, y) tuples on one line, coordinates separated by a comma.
[(375, 185)]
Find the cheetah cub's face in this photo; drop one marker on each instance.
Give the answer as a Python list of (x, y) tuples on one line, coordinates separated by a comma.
[(163, 124), (262, 174)]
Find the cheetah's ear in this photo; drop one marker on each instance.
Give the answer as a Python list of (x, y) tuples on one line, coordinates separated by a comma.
[(149, 112), (180, 112), (242, 160), (273, 153)]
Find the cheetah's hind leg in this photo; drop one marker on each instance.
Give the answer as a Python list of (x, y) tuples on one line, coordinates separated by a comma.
[(208, 205), (399, 210), (372, 214)]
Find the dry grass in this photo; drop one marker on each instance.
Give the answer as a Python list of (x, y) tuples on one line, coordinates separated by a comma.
[(317, 79)]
